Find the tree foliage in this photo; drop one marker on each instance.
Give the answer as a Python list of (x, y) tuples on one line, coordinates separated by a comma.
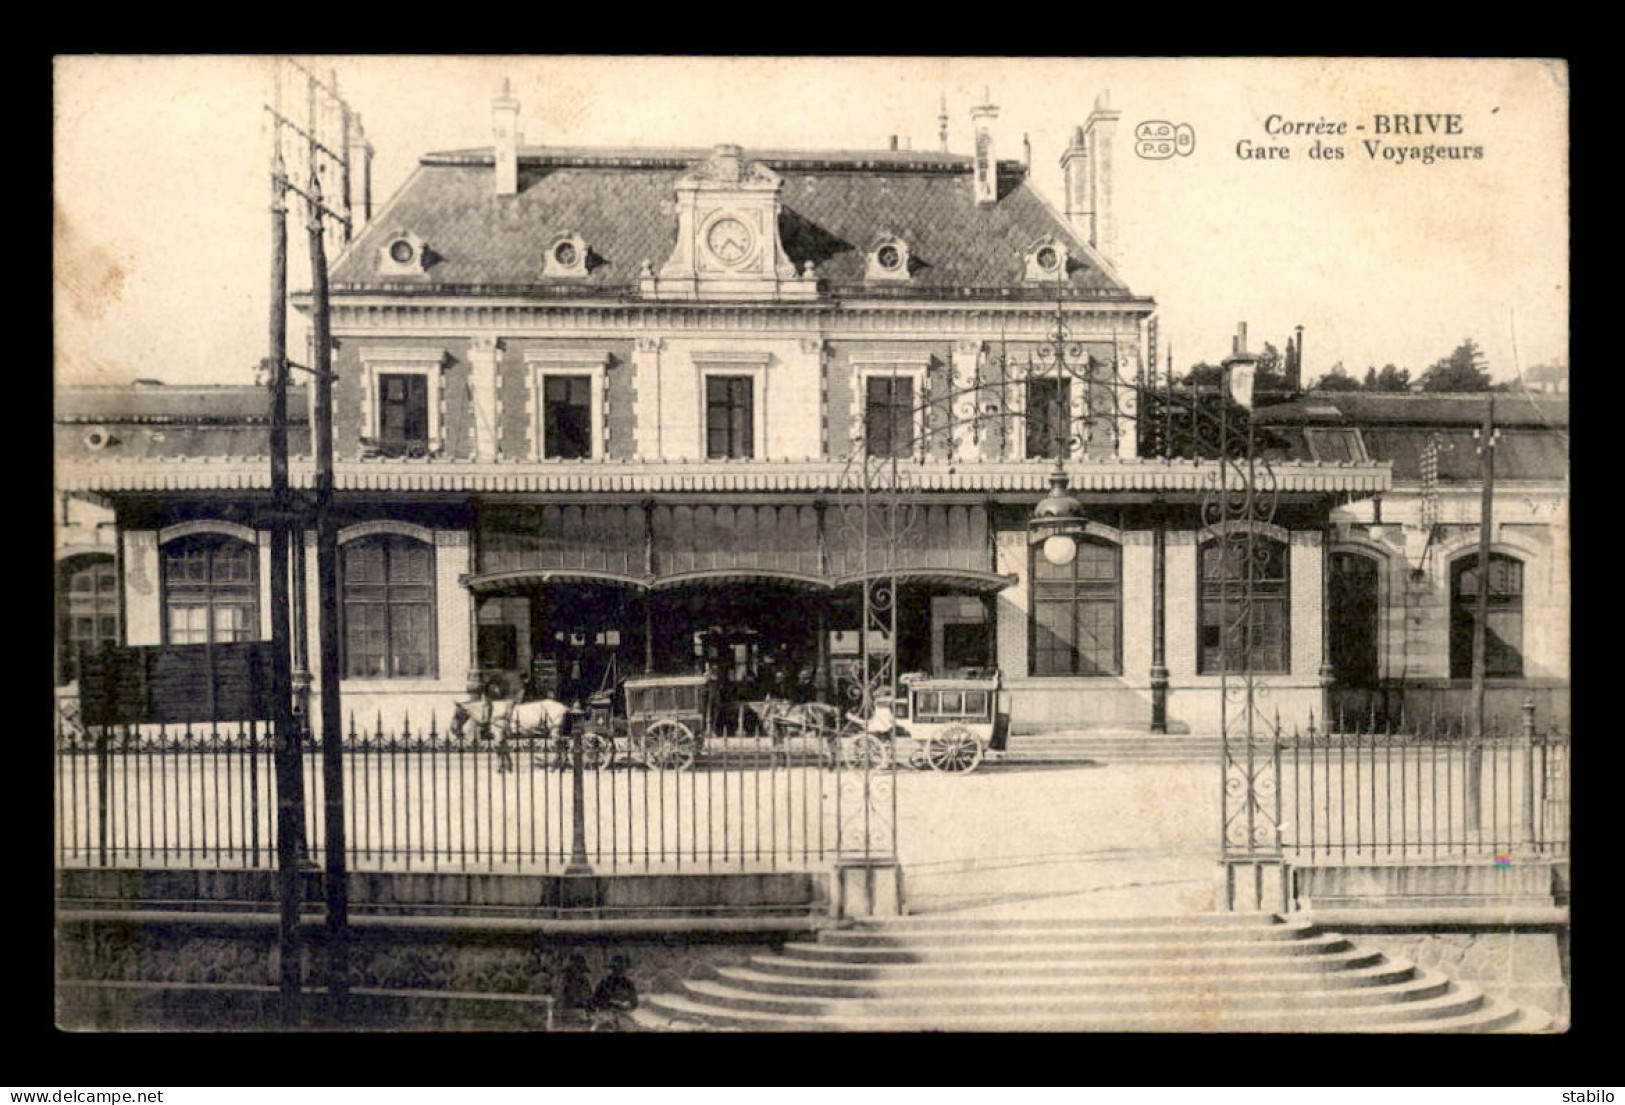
[(1337, 379), (1463, 370)]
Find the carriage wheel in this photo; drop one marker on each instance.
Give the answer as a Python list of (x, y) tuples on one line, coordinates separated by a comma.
[(670, 746), (918, 757), (867, 751), (955, 749)]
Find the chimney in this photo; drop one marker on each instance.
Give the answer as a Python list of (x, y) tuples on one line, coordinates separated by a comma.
[(505, 134), (1239, 342), (893, 142), (986, 181), (1297, 362), (360, 153), (1098, 132), (1075, 169)]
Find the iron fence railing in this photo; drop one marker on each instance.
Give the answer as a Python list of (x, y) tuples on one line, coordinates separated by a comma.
[(1437, 791), (433, 801)]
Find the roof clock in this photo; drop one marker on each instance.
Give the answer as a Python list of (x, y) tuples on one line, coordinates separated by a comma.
[(730, 241), (566, 256), (402, 254), (728, 244), (888, 259), (1047, 259)]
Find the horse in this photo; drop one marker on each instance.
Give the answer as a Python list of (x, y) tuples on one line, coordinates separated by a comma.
[(780, 720), (504, 718)]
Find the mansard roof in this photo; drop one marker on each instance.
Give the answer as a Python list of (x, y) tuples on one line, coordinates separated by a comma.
[(834, 205)]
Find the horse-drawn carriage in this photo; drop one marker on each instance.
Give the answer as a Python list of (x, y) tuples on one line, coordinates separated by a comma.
[(944, 725), (934, 724)]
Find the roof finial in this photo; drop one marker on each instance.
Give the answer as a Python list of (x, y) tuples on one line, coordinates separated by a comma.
[(942, 123)]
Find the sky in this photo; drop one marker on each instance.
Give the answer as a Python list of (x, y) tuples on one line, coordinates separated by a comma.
[(162, 224)]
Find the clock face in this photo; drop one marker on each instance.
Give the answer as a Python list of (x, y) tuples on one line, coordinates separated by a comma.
[(565, 254), (1048, 259), (889, 257), (729, 240)]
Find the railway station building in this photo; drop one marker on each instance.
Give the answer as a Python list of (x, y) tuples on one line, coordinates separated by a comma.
[(596, 411)]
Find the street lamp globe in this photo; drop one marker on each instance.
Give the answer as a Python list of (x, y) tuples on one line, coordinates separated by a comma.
[(1057, 523), (1060, 549)]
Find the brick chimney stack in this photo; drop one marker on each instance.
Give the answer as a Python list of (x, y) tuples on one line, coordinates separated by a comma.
[(360, 175), (1075, 170), (986, 179), (505, 134), (1099, 130)]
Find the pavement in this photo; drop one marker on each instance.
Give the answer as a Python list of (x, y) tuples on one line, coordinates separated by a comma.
[(1061, 840)]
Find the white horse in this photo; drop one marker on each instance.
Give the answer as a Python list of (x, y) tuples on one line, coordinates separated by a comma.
[(506, 719)]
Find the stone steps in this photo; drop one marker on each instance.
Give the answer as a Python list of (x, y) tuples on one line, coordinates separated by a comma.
[(1203, 973), (1111, 747)]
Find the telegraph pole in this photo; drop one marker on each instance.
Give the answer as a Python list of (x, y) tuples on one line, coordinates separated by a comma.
[(327, 592), (289, 776), (319, 156)]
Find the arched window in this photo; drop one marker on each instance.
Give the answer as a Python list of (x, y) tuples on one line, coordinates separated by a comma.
[(1503, 627), (1077, 612), (388, 589), (211, 590), (87, 610), (1244, 613)]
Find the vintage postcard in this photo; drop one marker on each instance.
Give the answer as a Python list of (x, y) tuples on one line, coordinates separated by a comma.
[(789, 544)]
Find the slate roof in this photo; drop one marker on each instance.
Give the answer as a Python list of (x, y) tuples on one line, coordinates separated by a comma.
[(242, 404), (1396, 427), (174, 421), (1420, 408), (834, 206)]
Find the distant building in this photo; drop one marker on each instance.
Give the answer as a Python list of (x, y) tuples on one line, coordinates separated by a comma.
[(1403, 564), (1548, 379)]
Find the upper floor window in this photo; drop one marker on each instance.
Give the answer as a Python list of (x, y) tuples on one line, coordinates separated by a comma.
[(1503, 622), (729, 417), (567, 417), (1048, 415), (388, 598), (211, 590), (87, 610), (1244, 594), (1077, 612), (403, 410), (888, 415)]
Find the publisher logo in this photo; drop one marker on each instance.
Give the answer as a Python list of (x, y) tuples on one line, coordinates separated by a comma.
[(1156, 140)]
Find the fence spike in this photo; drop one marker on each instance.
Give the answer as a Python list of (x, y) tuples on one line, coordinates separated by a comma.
[(1311, 723), (378, 729)]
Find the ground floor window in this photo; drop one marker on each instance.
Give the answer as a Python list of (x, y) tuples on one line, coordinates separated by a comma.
[(1503, 623), (1244, 592), (389, 607), (211, 590), (87, 610), (1077, 612)]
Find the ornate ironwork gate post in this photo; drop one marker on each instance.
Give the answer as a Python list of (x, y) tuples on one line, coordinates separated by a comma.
[(1239, 500), (873, 521)]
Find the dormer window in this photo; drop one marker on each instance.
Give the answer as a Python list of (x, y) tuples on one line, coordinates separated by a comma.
[(888, 259), (567, 256), (1047, 259), (402, 255)]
